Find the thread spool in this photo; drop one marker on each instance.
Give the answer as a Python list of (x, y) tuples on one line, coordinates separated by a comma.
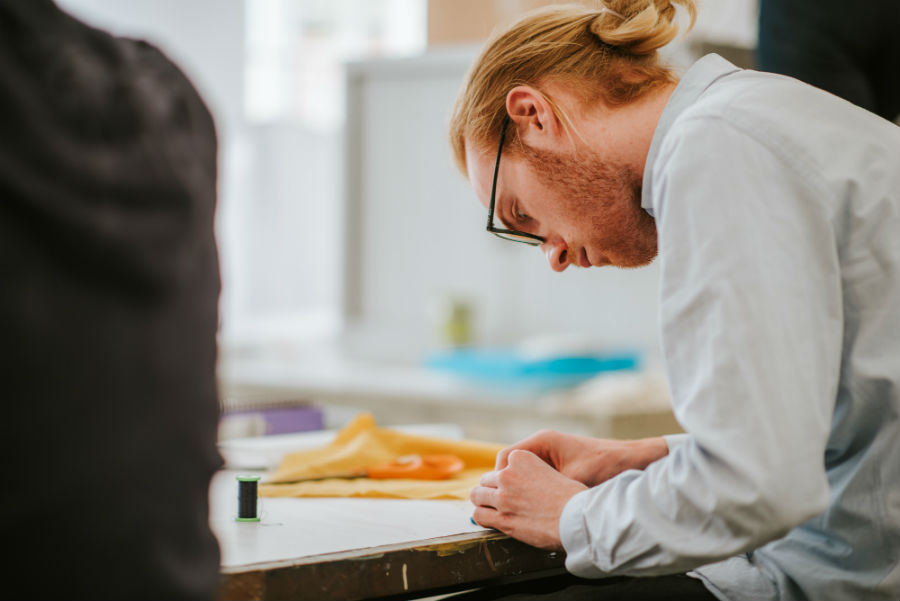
[(247, 499)]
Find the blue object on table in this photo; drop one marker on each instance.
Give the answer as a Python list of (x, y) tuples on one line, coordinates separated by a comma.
[(510, 368)]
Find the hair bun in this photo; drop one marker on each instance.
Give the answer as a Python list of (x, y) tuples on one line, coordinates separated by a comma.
[(640, 27), (608, 11)]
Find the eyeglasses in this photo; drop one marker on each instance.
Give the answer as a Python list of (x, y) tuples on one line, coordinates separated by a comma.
[(514, 235)]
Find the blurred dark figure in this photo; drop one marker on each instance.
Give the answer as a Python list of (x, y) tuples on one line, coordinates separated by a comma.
[(849, 49), (108, 311)]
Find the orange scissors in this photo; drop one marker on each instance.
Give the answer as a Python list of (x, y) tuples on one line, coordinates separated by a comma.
[(418, 467)]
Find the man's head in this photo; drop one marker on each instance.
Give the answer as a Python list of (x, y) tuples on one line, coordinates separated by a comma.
[(581, 88)]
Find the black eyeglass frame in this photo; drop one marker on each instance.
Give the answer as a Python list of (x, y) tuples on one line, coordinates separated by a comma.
[(506, 234)]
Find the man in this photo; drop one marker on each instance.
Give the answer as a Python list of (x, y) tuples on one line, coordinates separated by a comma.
[(774, 208), (108, 316)]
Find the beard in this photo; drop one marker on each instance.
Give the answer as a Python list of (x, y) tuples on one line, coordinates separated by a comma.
[(603, 201)]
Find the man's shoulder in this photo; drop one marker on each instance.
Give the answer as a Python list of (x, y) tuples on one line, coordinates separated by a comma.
[(748, 112), (779, 110)]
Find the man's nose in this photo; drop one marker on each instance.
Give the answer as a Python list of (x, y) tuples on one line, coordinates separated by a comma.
[(557, 254)]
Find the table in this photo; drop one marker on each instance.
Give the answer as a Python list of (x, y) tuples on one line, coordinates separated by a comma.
[(321, 549), (404, 394)]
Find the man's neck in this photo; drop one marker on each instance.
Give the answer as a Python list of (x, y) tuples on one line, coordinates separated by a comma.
[(625, 132)]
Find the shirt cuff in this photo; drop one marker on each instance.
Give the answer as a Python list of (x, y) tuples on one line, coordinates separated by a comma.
[(574, 537), (675, 440)]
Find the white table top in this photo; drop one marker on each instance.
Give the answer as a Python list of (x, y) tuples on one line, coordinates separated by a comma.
[(300, 530)]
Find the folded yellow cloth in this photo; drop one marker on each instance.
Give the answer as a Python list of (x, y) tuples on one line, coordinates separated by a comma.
[(363, 444)]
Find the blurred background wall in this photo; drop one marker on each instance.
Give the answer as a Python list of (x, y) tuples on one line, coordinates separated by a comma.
[(342, 222)]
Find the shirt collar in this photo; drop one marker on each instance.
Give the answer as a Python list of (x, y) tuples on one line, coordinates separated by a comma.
[(698, 78)]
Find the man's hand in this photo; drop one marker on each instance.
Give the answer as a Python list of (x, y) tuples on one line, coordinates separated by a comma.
[(588, 460), (524, 499)]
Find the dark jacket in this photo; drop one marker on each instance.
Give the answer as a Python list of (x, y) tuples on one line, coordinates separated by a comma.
[(109, 286)]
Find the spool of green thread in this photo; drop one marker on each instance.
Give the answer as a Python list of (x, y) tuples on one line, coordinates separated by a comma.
[(247, 499)]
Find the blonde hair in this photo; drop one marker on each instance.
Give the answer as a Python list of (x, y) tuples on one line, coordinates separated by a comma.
[(607, 53)]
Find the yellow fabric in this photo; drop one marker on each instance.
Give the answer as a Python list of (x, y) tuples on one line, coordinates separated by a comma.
[(362, 444)]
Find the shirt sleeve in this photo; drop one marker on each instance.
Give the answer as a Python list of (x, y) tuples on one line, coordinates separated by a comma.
[(751, 319), (674, 441)]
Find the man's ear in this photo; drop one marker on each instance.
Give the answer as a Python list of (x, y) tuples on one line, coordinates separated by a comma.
[(533, 115)]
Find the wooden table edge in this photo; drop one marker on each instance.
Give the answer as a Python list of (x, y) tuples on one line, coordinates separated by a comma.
[(442, 564)]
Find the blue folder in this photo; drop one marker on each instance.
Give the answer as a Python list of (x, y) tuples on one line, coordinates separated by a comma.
[(507, 367)]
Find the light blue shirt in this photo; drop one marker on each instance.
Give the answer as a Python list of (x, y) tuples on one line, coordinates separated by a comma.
[(778, 212)]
